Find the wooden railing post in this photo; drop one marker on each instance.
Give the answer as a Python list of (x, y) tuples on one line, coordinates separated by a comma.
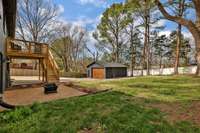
[(7, 45), (29, 48), (46, 60)]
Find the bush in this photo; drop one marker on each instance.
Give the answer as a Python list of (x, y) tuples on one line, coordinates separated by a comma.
[(16, 115), (73, 74)]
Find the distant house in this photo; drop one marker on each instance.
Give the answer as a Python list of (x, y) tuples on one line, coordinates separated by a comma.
[(106, 70)]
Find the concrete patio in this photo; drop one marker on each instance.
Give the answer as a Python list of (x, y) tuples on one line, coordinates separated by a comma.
[(30, 95)]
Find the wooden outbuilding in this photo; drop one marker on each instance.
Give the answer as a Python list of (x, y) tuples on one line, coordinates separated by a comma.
[(106, 70)]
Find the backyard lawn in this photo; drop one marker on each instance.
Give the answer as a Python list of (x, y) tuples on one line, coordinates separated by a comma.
[(162, 88), (137, 105)]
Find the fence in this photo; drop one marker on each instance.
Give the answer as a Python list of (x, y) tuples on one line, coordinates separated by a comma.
[(23, 72), (165, 71)]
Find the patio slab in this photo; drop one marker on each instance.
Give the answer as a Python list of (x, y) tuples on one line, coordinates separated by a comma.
[(1, 109), (30, 95)]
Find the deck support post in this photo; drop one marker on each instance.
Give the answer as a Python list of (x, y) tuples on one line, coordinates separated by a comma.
[(39, 68)]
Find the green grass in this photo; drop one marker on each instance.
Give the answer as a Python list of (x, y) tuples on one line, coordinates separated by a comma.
[(108, 112), (162, 88), (128, 108)]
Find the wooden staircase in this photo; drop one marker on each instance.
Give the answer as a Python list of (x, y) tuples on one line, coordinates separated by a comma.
[(51, 68), (22, 49)]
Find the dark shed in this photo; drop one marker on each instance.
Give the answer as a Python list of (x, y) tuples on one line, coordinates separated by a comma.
[(106, 70)]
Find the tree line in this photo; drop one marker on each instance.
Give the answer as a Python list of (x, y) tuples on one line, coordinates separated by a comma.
[(127, 33), (130, 34)]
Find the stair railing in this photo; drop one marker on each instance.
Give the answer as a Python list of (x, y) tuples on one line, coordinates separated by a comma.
[(53, 64)]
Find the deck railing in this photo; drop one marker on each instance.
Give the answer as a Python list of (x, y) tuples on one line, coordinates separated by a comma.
[(16, 48), (22, 47), (54, 64)]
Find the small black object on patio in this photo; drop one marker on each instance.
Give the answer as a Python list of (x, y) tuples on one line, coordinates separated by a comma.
[(50, 88)]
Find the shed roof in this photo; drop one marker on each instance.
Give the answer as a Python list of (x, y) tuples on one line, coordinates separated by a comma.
[(114, 65), (106, 64), (95, 62)]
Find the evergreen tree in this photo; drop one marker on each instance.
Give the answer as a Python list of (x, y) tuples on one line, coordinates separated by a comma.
[(111, 29), (160, 49)]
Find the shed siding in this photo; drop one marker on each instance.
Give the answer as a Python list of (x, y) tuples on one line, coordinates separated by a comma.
[(116, 72), (109, 70), (98, 73), (89, 69)]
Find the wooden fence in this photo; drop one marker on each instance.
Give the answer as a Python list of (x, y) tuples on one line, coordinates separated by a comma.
[(165, 71), (23, 72)]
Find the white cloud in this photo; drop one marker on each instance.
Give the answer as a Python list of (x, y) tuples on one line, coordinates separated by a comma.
[(97, 3), (84, 21), (61, 9), (165, 32), (159, 23)]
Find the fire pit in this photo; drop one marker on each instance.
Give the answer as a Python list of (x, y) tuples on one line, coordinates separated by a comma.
[(50, 88)]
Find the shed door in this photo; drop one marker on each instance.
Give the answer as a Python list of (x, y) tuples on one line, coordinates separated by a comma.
[(98, 73)]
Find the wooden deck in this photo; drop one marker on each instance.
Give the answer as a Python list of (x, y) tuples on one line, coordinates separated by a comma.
[(23, 49), (26, 49)]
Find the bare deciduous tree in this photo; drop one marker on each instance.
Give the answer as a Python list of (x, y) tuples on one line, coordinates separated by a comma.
[(35, 19), (69, 46)]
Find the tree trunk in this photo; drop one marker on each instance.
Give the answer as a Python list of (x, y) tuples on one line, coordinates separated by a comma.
[(178, 45), (143, 59), (132, 60), (197, 41), (132, 52), (198, 57), (117, 43), (145, 45), (148, 44), (132, 68), (198, 64), (146, 39), (160, 65)]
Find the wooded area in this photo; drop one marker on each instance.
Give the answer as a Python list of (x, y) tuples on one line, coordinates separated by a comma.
[(128, 33)]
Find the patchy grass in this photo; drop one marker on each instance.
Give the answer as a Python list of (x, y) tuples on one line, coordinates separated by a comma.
[(162, 88), (155, 104), (111, 112)]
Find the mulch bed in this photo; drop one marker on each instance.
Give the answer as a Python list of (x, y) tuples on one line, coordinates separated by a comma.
[(80, 88), (84, 89)]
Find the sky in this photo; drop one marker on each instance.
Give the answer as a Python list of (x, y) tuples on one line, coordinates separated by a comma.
[(87, 13)]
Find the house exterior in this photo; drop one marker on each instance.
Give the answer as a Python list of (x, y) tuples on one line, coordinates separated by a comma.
[(106, 70), (7, 29)]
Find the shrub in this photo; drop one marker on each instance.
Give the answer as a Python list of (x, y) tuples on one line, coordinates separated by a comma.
[(16, 115), (73, 74)]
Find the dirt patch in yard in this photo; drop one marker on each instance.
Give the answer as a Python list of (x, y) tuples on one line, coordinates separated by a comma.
[(180, 111), (83, 89)]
